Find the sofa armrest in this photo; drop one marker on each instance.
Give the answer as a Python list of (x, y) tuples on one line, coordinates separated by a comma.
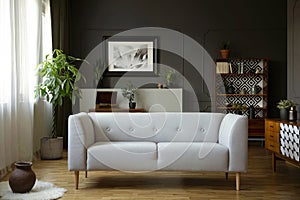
[(80, 137), (233, 133)]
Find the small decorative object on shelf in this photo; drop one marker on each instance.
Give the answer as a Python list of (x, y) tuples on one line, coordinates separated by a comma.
[(251, 112), (252, 71), (243, 91), (22, 179), (284, 107), (230, 89), (239, 108), (240, 68), (255, 89), (224, 49)]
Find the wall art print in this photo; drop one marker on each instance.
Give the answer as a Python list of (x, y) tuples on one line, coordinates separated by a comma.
[(134, 54)]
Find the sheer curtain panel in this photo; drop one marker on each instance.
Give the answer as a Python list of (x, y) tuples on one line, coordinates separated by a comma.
[(20, 51)]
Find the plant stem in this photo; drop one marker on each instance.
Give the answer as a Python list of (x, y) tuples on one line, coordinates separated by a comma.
[(53, 129)]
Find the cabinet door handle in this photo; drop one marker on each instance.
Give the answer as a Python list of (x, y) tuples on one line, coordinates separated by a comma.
[(271, 145), (272, 136), (271, 126)]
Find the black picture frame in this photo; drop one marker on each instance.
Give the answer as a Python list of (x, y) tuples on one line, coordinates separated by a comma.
[(135, 50)]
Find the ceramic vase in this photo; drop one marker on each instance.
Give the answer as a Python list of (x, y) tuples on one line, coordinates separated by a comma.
[(284, 114), (22, 179), (230, 89), (251, 112), (132, 105)]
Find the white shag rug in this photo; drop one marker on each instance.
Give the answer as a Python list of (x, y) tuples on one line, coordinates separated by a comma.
[(40, 191)]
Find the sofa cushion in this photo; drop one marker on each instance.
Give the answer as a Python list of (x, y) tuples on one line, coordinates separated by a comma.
[(126, 156), (198, 156), (157, 127)]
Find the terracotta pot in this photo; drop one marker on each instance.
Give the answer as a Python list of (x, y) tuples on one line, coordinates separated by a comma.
[(22, 179), (224, 53)]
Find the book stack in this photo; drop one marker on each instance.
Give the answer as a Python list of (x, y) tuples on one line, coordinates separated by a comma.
[(223, 68)]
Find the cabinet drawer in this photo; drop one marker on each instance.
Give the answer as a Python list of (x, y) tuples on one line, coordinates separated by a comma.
[(272, 126), (272, 145), (272, 136)]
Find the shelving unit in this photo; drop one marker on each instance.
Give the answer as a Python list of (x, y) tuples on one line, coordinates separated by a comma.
[(243, 75)]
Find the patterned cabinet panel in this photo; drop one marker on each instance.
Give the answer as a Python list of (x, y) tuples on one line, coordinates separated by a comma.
[(289, 141)]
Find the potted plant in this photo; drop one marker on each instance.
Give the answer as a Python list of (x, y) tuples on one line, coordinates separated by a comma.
[(169, 76), (99, 69), (284, 107), (224, 49), (129, 93), (239, 108), (59, 75)]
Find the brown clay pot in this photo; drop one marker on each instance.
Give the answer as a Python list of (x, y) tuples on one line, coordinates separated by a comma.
[(22, 179), (224, 53)]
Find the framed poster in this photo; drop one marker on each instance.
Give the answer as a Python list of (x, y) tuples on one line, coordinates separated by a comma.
[(132, 54)]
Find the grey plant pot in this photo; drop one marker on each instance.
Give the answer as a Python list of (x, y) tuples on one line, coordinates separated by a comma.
[(51, 148), (284, 114), (132, 105)]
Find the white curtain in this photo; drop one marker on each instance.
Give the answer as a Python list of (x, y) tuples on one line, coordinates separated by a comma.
[(21, 49)]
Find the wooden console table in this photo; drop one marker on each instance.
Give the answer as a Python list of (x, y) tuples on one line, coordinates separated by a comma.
[(282, 139), (117, 110)]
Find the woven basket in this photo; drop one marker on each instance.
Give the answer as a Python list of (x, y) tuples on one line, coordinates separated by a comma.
[(51, 148)]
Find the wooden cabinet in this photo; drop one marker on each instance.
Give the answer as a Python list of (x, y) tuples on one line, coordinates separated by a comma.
[(256, 127), (282, 138), (243, 82)]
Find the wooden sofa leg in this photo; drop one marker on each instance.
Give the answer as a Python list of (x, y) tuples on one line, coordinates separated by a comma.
[(76, 179), (226, 175), (237, 180), (85, 173)]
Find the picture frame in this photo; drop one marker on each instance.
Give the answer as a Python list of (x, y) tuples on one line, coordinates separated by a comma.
[(134, 55)]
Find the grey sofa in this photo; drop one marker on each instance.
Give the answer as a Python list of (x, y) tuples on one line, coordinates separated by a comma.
[(211, 142)]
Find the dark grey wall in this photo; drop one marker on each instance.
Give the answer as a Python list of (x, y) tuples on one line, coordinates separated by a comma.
[(293, 69), (256, 28)]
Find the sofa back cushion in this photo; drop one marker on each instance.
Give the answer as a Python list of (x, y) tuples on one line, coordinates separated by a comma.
[(157, 127)]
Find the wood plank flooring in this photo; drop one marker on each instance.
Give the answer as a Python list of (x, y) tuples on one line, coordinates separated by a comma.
[(258, 183)]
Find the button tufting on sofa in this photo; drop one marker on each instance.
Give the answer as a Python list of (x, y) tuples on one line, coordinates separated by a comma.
[(179, 129), (202, 130)]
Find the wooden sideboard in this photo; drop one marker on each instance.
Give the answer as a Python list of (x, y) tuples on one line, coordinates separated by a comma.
[(282, 139), (150, 99)]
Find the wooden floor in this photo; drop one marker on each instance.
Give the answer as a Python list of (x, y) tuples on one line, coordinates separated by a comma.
[(258, 183)]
